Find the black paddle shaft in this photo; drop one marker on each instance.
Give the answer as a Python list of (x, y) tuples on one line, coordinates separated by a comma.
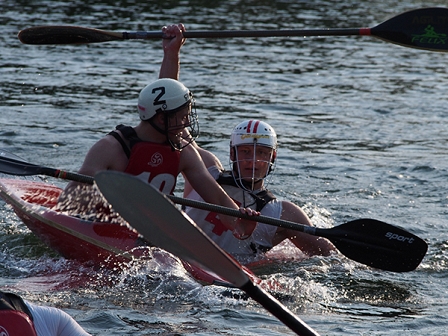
[(368, 241), (278, 310), (425, 28)]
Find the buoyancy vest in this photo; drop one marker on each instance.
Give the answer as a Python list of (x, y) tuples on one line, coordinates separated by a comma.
[(263, 201), (15, 317), (156, 163)]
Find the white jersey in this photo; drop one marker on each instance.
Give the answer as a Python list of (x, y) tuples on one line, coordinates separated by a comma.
[(50, 321), (209, 222)]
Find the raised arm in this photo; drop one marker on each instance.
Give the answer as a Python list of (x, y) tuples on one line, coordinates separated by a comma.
[(172, 43)]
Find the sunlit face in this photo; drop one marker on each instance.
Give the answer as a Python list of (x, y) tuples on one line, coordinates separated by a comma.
[(253, 162)]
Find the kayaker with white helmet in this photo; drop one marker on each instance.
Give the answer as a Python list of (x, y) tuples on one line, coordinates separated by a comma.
[(156, 149), (253, 153)]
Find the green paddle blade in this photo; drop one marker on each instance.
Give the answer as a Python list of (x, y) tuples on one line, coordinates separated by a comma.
[(425, 28), (377, 244)]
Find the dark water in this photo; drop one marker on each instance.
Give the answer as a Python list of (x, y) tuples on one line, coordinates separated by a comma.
[(361, 126)]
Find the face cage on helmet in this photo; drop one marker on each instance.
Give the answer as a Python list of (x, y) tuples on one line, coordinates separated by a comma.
[(191, 129), (235, 166)]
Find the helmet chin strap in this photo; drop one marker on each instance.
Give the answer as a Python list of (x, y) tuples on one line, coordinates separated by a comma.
[(157, 128), (247, 185), (164, 132), (244, 183)]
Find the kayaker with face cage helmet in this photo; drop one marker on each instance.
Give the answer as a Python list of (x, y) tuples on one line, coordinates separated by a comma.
[(253, 153), (156, 149)]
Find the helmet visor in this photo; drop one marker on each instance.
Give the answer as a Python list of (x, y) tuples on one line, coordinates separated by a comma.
[(182, 126), (252, 163)]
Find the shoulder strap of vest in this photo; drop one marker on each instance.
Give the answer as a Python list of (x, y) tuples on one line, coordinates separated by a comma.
[(127, 131), (10, 301), (226, 178), (261, 198), (129, 134), (117, 136)]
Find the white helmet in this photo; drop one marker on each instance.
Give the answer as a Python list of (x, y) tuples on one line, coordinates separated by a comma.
[(255, 133), (163, 95)]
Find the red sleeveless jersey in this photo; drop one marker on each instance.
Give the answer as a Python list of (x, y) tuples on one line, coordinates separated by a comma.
[(156, 163)]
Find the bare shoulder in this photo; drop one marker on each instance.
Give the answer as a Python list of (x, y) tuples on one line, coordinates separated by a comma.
[(189, 151), (195, 155), (209, 158), (106, 146), (190, 158), (294, 213), (106, 154)]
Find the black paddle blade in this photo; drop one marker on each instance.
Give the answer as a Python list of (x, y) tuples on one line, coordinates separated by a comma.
[(13, 165), (377, 244), (66, 35), (8, 155), (425, 28)]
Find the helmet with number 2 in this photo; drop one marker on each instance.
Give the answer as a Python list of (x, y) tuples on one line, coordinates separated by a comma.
[(164, 95), (169, 96)]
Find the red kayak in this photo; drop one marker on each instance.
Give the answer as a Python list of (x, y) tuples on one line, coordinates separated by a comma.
[(96, 243)]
